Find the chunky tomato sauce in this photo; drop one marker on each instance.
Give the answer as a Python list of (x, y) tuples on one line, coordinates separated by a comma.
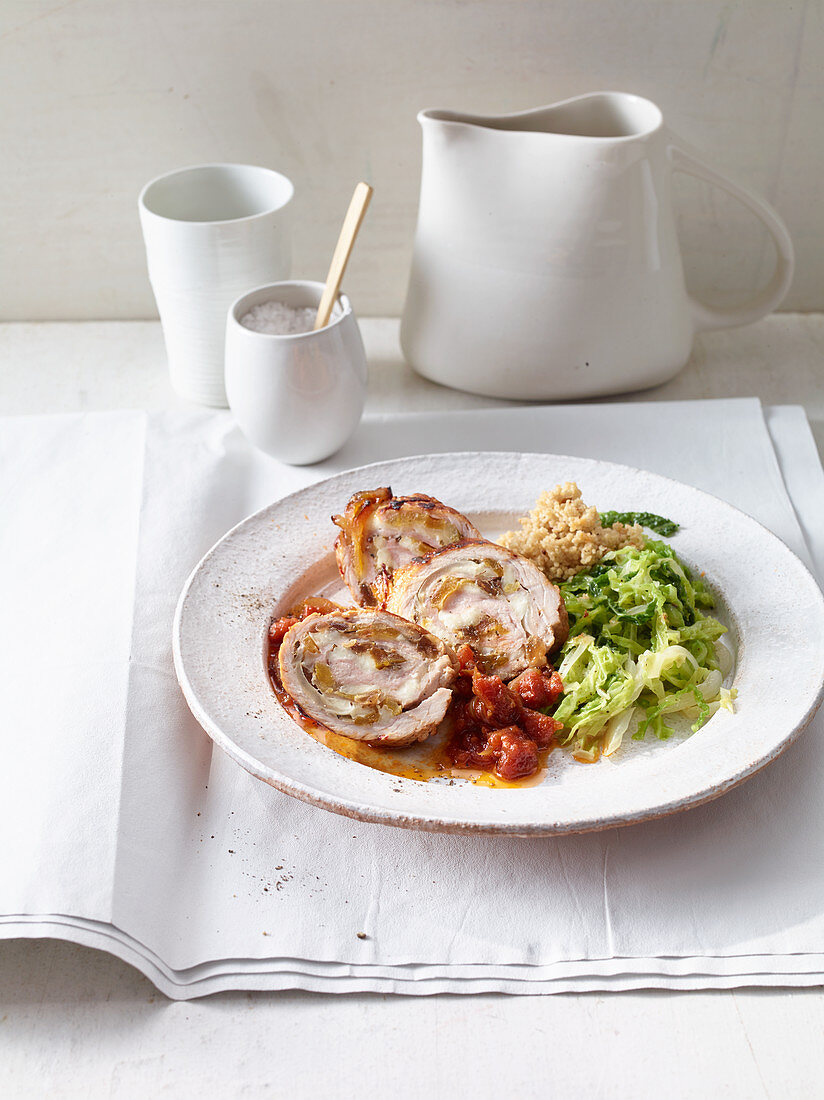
[(491, 726), (499, 727)]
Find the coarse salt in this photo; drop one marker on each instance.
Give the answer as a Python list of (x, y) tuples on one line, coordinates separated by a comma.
[(279, 319)]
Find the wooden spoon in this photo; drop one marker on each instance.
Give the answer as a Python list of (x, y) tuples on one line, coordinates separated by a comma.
[(340, 257)]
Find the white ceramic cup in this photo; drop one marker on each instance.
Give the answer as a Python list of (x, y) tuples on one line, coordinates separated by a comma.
[(298, 397), (211, 232)]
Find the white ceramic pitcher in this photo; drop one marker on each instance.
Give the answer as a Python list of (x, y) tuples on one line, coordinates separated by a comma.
[(546, 262)]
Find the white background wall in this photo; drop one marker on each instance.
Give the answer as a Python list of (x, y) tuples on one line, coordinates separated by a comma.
[(98, 96)]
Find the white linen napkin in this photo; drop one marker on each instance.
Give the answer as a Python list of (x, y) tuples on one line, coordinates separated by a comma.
[(126, 830)]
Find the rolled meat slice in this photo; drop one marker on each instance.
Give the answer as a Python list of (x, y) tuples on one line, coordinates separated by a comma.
[(480, 594), (368, 675), (381, 533)]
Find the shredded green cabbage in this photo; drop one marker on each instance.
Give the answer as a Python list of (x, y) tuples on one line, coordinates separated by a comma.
[(640, 646)]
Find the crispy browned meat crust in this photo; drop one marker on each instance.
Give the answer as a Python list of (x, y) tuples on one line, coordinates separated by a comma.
[(381, 533)]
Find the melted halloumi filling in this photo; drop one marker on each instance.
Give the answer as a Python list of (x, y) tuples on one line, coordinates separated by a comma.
[(417, 535), (331, 658), (479, 602)]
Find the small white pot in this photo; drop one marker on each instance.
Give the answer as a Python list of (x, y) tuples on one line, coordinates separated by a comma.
[(211, 232), (298, 397)]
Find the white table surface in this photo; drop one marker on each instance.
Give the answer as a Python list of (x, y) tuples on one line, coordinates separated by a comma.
[(76, 1022)]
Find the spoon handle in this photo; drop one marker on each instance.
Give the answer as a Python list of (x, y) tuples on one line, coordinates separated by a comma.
[(340, 257)]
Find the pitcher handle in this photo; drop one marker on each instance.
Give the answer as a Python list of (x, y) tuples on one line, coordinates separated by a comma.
[(709, 317)]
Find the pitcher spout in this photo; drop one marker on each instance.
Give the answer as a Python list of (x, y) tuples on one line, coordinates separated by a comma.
[(599, 116)]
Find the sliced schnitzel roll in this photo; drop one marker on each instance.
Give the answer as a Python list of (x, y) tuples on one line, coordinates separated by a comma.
[(368, 675), (480, 594), (381, 533)]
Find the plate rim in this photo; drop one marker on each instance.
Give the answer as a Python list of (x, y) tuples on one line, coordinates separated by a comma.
[(444, 823)]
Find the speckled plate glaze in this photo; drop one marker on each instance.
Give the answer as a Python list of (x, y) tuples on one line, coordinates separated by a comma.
[(260, 568)]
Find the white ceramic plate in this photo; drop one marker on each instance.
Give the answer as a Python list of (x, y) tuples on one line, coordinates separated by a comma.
[(264, 565)]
